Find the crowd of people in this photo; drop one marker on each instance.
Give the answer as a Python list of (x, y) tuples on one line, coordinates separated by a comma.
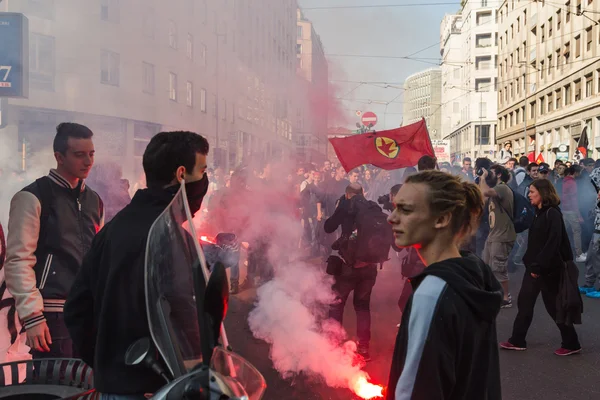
[(74, 251)]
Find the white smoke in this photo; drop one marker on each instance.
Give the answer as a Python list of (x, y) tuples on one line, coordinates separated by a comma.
[(290, 315)]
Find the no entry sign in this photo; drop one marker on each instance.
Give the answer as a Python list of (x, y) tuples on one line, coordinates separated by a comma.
[(369, 119)]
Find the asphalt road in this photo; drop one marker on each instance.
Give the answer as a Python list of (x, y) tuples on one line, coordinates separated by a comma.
[(534, 374)]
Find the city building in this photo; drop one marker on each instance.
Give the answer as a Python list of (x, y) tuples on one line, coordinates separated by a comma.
[(128, 70), (469, 77), (549, 77), (313, 87), (422, 99)]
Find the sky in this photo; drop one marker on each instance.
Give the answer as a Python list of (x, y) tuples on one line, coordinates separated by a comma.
[(377, 31)]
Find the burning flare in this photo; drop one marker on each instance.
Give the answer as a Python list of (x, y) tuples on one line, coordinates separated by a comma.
[(363, 388)]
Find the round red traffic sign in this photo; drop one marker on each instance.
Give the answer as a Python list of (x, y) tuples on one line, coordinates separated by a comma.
[(369, 119)]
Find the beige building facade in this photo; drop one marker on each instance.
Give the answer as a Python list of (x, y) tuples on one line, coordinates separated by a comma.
[(549, 76), (224, 69), (422, 99)]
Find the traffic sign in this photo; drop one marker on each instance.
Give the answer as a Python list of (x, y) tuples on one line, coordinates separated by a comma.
[(369, 119)]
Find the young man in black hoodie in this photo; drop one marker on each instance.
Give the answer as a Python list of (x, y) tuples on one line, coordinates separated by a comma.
[(106, 309), (446, 346)]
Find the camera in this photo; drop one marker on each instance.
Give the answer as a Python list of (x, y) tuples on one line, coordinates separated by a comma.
[(384, 200)]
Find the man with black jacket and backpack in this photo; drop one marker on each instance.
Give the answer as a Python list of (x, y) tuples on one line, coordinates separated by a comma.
[(51, 226), (362, 254)]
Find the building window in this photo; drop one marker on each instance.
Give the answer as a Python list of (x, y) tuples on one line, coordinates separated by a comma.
[(483, 40), (589, 86), (542, 106), (189, 94), (589, 38), (549, 65), (42, 61), (40, 8), (109, 67), (482, 110), (550, 27), (558, 20), (148, 78), (300, 33), (484, 3), (172, 86), (567, 95), (149, 22), (203, 54), (543, 32), (568, 13), (172, 35), (482, 134), (109, 10), (558, 97), (203, 100), (483, 85), (483, 18), (298, 48), (483, 63), (550, 102), (189, 46), (578, 90), (577, 46)]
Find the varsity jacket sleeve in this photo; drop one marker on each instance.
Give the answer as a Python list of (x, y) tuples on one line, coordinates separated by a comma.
[(428, 370), (23, 233)]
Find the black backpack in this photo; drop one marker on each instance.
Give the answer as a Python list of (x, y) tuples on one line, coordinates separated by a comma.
[(523, 212), (374, 233)]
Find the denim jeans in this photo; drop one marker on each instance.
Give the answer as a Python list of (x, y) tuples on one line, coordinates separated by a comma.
[(107, 396), (361, 280), (592, 263)]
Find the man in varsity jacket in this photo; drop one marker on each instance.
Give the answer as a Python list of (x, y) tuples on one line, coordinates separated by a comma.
[(51, 226)]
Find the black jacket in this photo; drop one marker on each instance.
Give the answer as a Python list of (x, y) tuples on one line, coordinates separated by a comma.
[(548, 245), (106, 309), (446, 348)]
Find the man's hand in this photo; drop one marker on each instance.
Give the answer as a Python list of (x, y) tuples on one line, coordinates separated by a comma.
[(38, 337), (535, 276), (319, 216)]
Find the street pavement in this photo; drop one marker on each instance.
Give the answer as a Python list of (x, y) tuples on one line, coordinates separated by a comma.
[(533, 374)]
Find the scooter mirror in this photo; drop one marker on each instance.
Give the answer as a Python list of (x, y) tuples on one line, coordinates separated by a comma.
[(216, 299), (143, 353)]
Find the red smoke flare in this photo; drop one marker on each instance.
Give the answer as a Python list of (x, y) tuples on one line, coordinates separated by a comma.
[(366, 390)]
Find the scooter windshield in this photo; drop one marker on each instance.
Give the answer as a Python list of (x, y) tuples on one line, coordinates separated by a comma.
[(172, 261)]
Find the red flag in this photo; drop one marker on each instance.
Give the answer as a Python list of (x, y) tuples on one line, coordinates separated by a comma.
[(531, 157), (391, 149), (539, 159)]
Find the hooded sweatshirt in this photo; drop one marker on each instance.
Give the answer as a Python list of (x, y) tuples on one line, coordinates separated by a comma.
[(446, 348)]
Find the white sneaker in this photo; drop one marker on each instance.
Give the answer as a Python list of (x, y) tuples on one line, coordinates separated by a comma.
[(581, 258)]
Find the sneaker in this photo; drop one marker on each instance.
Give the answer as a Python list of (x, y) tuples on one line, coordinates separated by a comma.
[(506, 303), (510, 297), (581, 258), (586, 289), (235, 287), (510, 346), (593, 294), (363, 351), (566, 352)]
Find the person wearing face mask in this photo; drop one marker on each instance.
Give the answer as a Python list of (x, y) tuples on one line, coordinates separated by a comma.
[(105, 311)]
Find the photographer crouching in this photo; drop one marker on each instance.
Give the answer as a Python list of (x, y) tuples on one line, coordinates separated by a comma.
[(365, 242)]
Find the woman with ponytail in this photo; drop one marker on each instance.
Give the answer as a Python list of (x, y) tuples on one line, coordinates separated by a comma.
[(446, 346)]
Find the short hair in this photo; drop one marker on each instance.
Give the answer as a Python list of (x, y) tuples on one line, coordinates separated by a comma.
[(168, 151), (558, 162), (572, 170), (67, 130), (395, 189), (532, 165), (523, 161), (588, 161), (513, 160), (483, 162), (467, 159), (502, 172), (426, 163), (547, 192), (354, 171), (354, 188)]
